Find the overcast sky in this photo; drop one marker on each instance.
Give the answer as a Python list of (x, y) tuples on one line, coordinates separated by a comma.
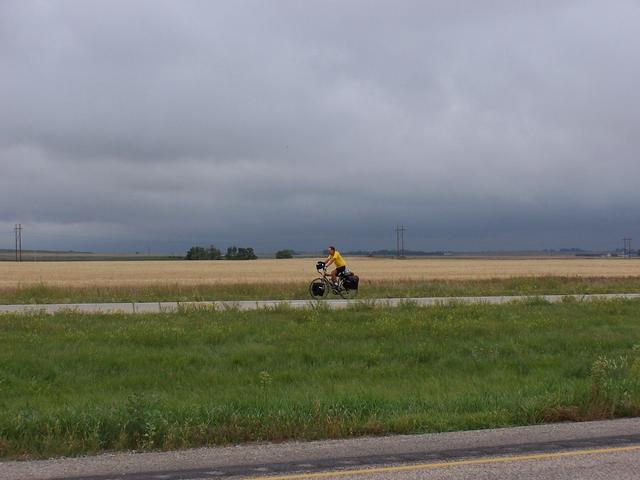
[(157, 125)]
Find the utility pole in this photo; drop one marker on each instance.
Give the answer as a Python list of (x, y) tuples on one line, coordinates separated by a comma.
[(397, 241), (18, 232), (627, 247), (400, 229)]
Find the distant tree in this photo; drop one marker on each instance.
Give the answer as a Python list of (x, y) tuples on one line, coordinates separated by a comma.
[(200, 253), (213, 253), (284, 254), (196, 253), (247, 254), (240, 253)]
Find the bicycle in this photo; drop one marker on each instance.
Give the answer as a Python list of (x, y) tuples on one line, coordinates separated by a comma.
[(320, 287)]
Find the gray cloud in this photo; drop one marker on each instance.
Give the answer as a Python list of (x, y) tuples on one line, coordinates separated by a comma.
[(153, 125)]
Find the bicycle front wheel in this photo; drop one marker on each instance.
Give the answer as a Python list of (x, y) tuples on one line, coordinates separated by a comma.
[(319, 288)]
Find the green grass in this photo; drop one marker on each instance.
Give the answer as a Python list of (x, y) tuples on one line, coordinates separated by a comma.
[(44, 293), (73, 384)]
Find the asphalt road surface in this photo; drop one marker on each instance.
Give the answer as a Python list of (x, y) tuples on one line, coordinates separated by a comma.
[(167, 307), (586, 451)]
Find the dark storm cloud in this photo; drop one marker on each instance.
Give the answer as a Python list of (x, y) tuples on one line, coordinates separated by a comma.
[(153, 125)]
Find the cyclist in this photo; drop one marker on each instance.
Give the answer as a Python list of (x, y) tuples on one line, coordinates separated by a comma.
[(341, 265)]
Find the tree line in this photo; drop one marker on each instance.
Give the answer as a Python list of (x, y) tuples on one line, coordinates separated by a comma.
[(233, 253), (213, 253)]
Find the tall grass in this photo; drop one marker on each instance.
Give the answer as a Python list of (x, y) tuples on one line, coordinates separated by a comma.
[(278, 290), (75, 383)]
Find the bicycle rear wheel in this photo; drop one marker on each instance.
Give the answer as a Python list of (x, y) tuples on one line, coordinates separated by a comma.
[(348, 293)]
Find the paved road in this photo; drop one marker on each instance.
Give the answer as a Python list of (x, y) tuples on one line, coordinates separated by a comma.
[(590, 450), (597, 464), (160, 307)]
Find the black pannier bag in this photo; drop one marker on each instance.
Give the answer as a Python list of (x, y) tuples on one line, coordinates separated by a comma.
[(318, 289), (351, 282)]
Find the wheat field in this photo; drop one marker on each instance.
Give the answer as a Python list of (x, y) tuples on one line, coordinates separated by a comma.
[(126, 273)]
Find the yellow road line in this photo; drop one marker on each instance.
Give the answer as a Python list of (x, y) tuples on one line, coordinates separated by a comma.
[(422, 466)]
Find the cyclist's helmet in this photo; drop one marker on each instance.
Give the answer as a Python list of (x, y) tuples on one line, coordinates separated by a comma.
[(319, 265)]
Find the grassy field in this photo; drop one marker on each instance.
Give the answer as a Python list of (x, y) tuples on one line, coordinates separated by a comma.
[(74, 384), (47, 293), (72, 282)]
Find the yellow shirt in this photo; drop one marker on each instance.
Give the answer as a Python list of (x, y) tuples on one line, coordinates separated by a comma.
[(339, 261)]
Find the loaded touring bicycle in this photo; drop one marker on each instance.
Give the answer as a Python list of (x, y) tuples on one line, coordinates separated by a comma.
[(346, 286)]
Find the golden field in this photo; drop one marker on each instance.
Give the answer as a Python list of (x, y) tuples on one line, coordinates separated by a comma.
[(124, 273)]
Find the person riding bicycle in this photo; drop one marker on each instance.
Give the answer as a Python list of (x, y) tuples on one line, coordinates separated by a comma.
[(341, 265)]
